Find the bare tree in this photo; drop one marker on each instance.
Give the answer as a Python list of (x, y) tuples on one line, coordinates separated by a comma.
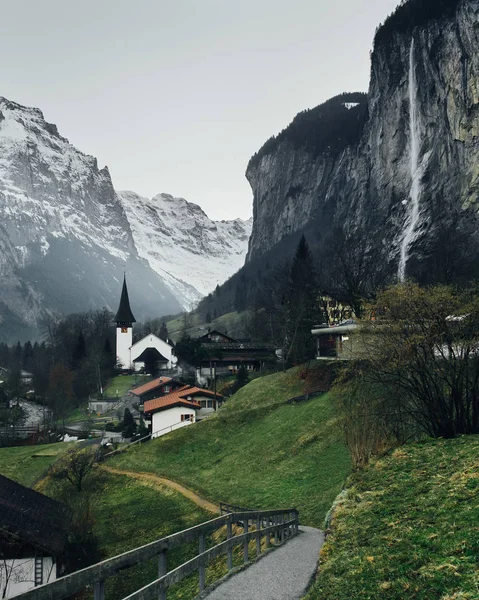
[(76, 465)]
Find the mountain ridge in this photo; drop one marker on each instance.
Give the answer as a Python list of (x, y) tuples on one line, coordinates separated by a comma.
[(65, 236)]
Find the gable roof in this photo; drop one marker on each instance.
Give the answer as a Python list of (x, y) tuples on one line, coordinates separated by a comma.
[(32, 518), (178, 398), (195, 391), (151, 385), (169, 401), (150, 355), (151, 335), (206, 337), (124, 314)]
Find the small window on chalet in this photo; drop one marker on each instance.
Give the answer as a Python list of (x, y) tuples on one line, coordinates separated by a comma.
[(209, 403), (187, 418), (166, 388)]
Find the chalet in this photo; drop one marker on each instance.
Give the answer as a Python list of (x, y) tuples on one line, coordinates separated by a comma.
[(155, 389), (169, 412), (150, 354), (222, 354), (33, 536), (184, 406)]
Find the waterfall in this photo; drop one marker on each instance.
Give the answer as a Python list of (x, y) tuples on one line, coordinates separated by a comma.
[(416, 170)]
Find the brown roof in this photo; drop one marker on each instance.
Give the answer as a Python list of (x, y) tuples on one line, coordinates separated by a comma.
[(178, 397), (193, 390), (151, 385), (169, 401), (32, 518)]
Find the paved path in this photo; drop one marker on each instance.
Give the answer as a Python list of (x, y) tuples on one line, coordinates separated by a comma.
[(151, 479), (283, 574)]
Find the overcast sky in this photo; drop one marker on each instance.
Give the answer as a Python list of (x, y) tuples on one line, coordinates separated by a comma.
[(175, 96)]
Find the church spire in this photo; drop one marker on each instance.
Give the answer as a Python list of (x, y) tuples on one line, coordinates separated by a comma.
[(124, 316)]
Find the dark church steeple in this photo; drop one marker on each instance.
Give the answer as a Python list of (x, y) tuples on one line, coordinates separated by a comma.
[(124, 317)]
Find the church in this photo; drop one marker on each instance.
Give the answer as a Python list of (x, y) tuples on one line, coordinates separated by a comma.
[(150, 354)]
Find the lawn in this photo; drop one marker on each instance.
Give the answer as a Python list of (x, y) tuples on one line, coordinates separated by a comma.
[(407, 528), (257, 451), (26, 464), (119, 385)]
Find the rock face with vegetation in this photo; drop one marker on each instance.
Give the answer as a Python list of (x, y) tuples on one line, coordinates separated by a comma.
[(400, 166)]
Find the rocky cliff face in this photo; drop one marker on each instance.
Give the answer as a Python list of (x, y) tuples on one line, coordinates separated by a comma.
[(409, 180), (64, 236), (188, 250)]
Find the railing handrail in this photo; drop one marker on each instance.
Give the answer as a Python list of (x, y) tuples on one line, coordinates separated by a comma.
[(99, 572), (145, 437), (233, 508), (153, 589)]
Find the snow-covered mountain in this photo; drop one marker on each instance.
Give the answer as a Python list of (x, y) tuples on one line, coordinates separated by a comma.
[(64, 236), (183, 245)]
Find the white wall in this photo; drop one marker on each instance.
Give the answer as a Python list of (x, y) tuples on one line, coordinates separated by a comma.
[(170, 419), (204, 411), (152, 341), (123, 344), (18, 575)]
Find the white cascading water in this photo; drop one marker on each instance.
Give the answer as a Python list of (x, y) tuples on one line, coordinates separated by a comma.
[(416, 171)]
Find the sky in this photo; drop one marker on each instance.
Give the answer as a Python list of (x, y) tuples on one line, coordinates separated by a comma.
[(176, 96)]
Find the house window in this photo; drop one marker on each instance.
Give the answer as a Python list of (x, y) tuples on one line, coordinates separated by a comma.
[(209, 403), (190, 418), (166, 389)]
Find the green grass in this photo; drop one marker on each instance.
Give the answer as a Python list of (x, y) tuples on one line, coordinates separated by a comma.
[(123, 383), (128, 514), (26, 464), (407, 528), (256, 451)]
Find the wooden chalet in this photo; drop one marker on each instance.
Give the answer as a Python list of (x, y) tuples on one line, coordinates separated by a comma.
[(33, 537), (222, 354)]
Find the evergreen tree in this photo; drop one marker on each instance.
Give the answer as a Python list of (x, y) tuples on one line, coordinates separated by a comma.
[(163, 332), (27, 357), (129, 425), (79, 352)]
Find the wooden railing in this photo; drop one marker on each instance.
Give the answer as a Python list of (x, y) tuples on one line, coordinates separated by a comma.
[(146, 438), (275, 526)]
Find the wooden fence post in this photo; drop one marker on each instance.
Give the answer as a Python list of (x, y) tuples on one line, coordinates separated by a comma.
[(275, 523), (99, 590), (229, 533), (202, 569), (162, 570), (258, 536), (268, 535), (245, 543)]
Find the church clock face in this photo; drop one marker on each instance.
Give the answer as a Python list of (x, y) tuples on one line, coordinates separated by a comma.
[(124, 329)]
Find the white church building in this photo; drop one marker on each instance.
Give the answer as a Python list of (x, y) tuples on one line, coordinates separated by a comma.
[(150, 350)]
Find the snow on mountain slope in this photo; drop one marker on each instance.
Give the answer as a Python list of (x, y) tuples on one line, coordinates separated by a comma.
[(191, 252), (64, 236)]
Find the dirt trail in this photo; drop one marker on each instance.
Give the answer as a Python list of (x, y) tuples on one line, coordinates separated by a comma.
[(150, 478)]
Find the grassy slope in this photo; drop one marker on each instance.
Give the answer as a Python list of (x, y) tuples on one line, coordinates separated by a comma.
[(256, 451), (121, 383), (26, 464), (128, 514), (408, 528)]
